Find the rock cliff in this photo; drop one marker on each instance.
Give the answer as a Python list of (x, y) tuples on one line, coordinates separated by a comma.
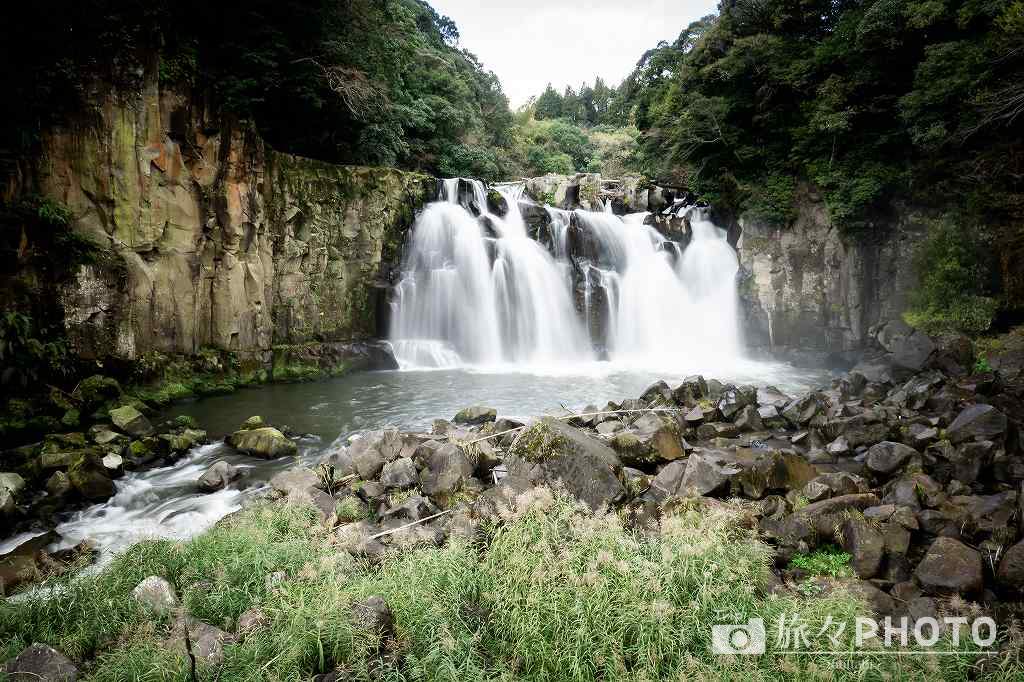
[(208, 238), (806, 287)]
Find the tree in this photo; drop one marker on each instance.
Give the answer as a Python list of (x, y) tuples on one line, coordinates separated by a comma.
[(549, 104)]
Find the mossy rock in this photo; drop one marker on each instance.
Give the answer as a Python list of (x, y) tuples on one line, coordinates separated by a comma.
[(539, 443), (97, 389), (71, 419)]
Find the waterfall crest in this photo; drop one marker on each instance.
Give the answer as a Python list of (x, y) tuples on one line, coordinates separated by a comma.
[(481, 291)]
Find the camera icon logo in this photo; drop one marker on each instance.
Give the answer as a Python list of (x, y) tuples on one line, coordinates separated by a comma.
[(746, 640)]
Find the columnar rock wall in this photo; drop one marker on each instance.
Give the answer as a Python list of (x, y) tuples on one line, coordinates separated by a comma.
[(206, 237), (808, 288)]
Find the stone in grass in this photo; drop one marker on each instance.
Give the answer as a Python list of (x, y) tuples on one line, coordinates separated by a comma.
[(156, 595), (129, 420), (476, 414), (40, 663), (206, 641)]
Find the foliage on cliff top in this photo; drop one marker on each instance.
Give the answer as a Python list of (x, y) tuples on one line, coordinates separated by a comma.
[(554, 593), (357, 81), (870, 99)]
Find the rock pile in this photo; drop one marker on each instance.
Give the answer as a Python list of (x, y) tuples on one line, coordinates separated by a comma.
[(918, 478)]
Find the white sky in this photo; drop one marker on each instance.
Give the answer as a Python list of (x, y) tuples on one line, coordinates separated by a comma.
[(529, 43)]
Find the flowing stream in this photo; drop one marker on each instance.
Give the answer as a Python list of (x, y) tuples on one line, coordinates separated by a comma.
[(484, 314)]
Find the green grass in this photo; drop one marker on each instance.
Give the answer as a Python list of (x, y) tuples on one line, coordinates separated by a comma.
[(552, 593), (828, 560)]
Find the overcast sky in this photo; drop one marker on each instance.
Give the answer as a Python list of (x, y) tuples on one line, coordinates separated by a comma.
[(529, 43)]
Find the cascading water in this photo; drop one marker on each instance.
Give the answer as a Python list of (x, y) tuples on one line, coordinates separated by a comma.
[(482, 292), (479, 291)]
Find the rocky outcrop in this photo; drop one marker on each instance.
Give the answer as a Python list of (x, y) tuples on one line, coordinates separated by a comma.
[(205, 237), (807, 287)]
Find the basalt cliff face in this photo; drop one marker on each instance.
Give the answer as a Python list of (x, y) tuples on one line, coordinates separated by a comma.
[(205, 237), (807, 288)]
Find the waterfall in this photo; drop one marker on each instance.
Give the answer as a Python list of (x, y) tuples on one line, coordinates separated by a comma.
[(478, 290), (469, 298)]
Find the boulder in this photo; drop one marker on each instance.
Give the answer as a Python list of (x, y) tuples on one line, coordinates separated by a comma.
[(218, 476), (12, 482), (1010, 574), (156, 595), (816, 521), (977, 422), (399, 474), (254, 422), (659, 390), (447, 470), (950, 566), (475, 415), (7, 504), (59, 484), (749, 472), (910, 354), (551, 451), (206, 641), (90, 482), (40, 663), (749, 419), (887, 456), (652, 438), (866, 546), (265, 442), (129, 420)]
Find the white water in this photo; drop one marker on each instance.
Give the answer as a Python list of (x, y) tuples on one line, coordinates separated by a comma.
[(471, 298), (480, 293)]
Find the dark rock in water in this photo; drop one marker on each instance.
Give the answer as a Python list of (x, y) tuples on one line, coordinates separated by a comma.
[(218, 476), (886, 457), (264, 442), (90, 482), (982, 422), (476, 415), (40, 663), (950, 566), (552, 451)]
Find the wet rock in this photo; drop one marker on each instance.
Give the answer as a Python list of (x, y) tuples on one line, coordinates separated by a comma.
[(950, 566), (218, 476), (977, 422), (129, 420), (887, 456), (59, 485), (156, 595), (40, 663), (399, 474), (552, 451), (12, 482), (265, 442), (254, 422), (7, 504), (475, 415), (90, 482)]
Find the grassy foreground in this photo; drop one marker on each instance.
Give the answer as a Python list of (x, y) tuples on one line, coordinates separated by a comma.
[(553, 593)]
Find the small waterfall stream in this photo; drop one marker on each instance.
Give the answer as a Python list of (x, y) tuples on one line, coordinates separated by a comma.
[(478, 291)]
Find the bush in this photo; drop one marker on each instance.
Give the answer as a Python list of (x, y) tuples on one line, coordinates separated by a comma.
[(952, 270)]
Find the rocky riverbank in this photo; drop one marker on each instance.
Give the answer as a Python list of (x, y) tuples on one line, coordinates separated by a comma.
[(900, 483)]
